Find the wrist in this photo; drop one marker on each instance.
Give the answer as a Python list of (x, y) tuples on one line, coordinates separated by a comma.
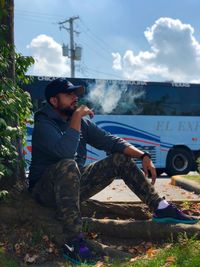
[(145, 154), (77, 114)]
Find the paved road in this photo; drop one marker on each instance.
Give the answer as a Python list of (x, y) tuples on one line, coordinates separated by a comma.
[(119, 192)]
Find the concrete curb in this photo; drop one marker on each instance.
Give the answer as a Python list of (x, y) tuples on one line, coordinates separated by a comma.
[(186, 184)]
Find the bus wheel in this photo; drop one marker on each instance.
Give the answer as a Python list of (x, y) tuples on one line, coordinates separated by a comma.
[(179, 161), (159, 171)]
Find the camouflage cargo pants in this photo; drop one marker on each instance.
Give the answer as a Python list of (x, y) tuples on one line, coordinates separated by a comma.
[(64, 187)]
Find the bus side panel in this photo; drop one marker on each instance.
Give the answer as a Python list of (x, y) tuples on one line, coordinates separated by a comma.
[(155, 134), (28, 148), (137, 130)]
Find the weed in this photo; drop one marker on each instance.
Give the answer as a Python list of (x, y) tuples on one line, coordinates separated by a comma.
[(37, 236), (85, 227), (6, 261), (3, 195), (198, 164), (186, 205)]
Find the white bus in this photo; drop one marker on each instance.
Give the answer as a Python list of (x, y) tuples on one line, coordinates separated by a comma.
[(162, 118)]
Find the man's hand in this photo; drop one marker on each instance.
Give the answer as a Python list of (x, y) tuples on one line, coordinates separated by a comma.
[(78, 114), (84, 111), (148, 165)]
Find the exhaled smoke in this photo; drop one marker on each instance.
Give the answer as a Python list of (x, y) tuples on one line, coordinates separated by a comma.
[(127, 104), (105, 95), (114, 97)]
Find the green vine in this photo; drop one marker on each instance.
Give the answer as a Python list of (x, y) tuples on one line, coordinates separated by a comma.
[(15, 106), (198, 165)]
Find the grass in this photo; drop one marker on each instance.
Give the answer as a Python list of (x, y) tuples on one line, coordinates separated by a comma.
[(184, 253), (178, 255), (6, 261), (195, 178)]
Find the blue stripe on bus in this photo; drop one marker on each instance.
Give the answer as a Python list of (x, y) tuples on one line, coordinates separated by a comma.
[(29, 130), (132, 131), (124, 131), (166, 145), (128, 126), (92, 152)]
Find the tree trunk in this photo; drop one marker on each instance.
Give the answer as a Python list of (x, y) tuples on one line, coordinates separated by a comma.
[(7, 36), (7, 21)]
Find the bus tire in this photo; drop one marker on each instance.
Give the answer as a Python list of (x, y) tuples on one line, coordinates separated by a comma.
[(159, 171), (179, 161)]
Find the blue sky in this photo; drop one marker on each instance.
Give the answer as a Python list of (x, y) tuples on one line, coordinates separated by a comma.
[(155, 40)]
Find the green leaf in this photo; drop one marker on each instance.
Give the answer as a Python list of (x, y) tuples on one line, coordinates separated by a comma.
[(3, 124), (15, 105)]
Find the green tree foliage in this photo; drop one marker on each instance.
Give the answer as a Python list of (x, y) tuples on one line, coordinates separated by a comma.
[(198, 164), (15, 106)]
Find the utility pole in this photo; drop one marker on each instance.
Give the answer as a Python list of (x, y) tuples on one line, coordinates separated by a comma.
[(72, 46)]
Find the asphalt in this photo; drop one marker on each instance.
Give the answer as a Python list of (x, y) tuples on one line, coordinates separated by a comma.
[(171, 188)]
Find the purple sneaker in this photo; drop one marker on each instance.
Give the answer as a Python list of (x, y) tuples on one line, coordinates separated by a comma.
[(172, 214), (77, 252)]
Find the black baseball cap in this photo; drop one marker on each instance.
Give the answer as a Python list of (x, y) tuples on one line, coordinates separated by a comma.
[(62, 85)]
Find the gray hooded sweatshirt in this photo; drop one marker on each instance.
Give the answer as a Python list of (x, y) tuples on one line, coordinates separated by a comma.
[(53, 140)]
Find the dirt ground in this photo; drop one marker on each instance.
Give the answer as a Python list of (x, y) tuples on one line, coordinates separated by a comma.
[(28, 243)]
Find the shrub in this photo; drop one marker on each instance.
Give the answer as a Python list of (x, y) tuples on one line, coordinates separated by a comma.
[(198, 165), (15, 105)]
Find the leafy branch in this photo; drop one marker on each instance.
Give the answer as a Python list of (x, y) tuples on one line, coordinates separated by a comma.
[(15, 109)]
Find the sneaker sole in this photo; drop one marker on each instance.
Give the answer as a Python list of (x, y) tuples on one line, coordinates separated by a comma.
[(172, 220), (78, 262)]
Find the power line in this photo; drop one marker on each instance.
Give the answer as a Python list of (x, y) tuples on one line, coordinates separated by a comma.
[(40, 17), (105, 73), (45, 17), (72, 47), (95, 51), (98, 42), (34, 13), (88, 69), (35, 16), (97, 38), (33, 20)]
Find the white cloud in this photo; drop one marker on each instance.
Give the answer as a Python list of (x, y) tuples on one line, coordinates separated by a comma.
[(174, 54), (117, 61), (48, 57)]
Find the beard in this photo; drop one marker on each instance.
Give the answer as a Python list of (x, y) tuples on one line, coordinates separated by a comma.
[(68, 111)]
